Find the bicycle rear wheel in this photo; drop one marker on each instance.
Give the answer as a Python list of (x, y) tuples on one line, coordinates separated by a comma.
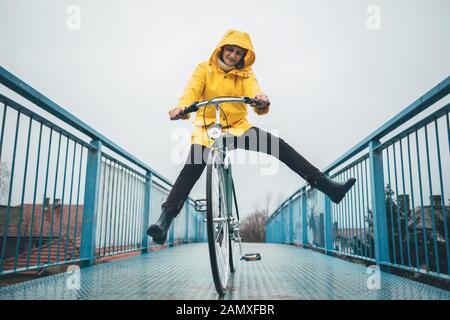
[(217, 222)]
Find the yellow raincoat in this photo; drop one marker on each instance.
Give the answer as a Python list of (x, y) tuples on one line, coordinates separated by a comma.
[(209, 81)]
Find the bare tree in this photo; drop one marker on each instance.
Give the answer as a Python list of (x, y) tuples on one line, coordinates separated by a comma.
[(253, 227)]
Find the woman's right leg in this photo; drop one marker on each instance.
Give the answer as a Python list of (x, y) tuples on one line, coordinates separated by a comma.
[(189, 175), (191, 172)]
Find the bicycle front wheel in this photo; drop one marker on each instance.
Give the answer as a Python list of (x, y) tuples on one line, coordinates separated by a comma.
[(217, 222)]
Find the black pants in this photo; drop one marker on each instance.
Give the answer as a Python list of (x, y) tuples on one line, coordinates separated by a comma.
[(254, 139)]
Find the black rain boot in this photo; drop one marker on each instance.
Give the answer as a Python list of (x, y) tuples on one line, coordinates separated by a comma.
[(158, 231), (334, 190)]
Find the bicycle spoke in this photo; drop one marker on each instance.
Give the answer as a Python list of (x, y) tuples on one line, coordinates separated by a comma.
[(218, 233)]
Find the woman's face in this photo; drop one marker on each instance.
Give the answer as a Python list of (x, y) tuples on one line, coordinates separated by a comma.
[(232, 54)]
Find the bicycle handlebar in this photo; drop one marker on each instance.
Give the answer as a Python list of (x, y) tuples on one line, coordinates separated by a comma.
[(196, 105)]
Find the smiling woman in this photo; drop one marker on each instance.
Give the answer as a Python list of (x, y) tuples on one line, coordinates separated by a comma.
[(233, 56)]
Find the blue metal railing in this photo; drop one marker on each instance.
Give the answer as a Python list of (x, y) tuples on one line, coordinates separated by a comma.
[(68, 194), (398, 212)]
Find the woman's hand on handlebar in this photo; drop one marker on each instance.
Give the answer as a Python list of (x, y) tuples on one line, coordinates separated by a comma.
[(263, 101), (175, 114)]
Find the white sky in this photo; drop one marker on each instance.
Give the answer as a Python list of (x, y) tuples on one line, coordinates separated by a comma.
[(331, 79)]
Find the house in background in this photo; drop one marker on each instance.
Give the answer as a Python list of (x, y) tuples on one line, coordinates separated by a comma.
[(56, 227)]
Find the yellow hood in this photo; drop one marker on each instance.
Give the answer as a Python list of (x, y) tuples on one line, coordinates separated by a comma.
[(237, 38)]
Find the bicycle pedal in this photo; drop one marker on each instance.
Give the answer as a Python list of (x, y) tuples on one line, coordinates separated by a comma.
[(251, 257)]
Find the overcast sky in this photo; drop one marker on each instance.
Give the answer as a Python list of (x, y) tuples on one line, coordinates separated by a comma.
[(332, 80)]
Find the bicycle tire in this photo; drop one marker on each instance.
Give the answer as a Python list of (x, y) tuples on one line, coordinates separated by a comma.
[(216, 208)]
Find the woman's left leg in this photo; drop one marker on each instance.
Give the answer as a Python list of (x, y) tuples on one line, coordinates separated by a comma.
[(256, 139)]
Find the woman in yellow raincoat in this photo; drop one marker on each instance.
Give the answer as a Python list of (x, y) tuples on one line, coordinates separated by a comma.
[(228, 73)]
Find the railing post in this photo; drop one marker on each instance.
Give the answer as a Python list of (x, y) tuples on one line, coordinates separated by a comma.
[(91, 191), (286, 235), (186, 224), (276, 229), (197, 228), (378, 204), (147, 205), (291, 223), (304, 219), (328, 225), (203, 228), (281, 231)]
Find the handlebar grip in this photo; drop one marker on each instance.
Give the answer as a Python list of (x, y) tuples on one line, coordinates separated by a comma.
[(253, 101), (248, 100), (192, 108)]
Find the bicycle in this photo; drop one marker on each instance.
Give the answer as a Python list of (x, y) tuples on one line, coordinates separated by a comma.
[(222, 223)]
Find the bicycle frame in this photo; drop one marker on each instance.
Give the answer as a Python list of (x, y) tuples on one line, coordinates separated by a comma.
[(219, 155), (219, 145)]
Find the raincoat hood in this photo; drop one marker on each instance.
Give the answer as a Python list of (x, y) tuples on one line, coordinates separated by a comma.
[(237, 38)]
